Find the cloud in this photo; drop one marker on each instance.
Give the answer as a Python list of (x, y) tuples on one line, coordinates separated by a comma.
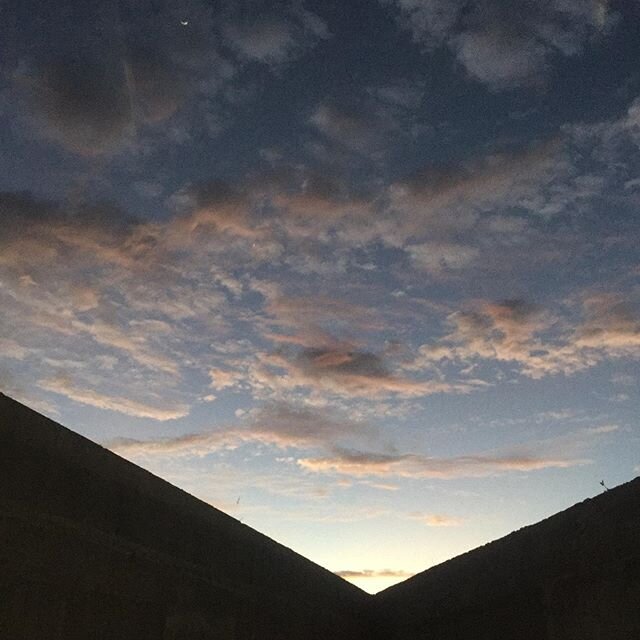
[(303, 427), (164, 300), (401, 93), (382, 486), (340, 362), (452, 198), (267, 41), (369, 124), (224, 378), (505, 45), (133, 343), (560, 452), (504, 200), (62, 386), (75, 84), (37, 232), (623, 379), (353, 128), (312, 317), (308, 356), (99, 78), (436, 519), (346, 372), (260, 35), (11, 349), (501, 60), (612, 325), (277, 424), (106, 285), (295, 205), (501, 331), (348, 574), (356, 463), (211, 207), (315, 199), (193, 444), (84, 104), (442, 257), (537, 341)]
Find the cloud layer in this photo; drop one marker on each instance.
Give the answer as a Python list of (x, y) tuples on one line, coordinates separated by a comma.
[(505, 45), (164, 298)]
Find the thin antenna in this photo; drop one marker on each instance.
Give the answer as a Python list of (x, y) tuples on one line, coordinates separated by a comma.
[(604, 485)]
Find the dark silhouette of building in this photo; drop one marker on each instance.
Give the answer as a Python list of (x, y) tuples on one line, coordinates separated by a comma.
[(94, 547)]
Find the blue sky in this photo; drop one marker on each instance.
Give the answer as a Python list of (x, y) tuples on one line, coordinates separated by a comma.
[(364, 275)]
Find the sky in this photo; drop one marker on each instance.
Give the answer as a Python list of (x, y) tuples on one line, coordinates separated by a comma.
[(363, 275)]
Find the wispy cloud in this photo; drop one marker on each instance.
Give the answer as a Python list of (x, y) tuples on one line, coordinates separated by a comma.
[(418, 466), (126, 405), (275, 38), (555, 453), (441, 200), (373, 573), (11, 349), (279, 425), (436, 519)]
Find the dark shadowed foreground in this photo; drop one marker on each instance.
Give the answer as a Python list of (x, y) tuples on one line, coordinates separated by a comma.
[(92, 546)]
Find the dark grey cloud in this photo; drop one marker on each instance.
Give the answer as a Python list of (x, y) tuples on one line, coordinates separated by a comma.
[(214, 193), (347, 372), (69, 74), (84, 103), (37, 233), (331, 362), (92, 76), (24, 213), (22, 208)]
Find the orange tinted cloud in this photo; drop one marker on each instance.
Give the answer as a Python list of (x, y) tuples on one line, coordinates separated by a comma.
[(419, 466), (436, 519), (539, 342), (125, 405), (373, 573), (279, 425), (347, 373)]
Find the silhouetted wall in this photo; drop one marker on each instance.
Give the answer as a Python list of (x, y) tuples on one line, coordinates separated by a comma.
[(575, 575), (92, 546)]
